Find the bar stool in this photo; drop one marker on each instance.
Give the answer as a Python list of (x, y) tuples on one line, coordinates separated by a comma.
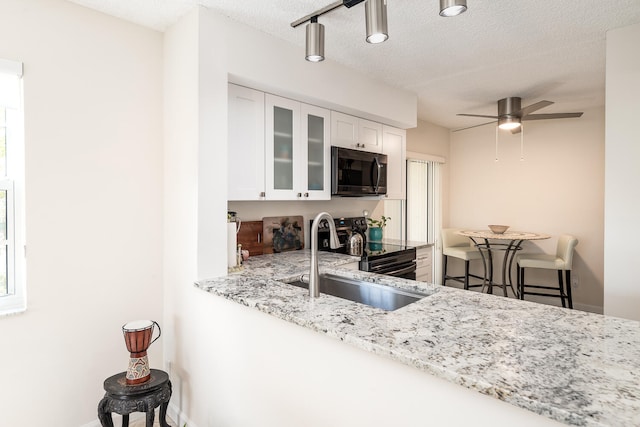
[(561, 261), (124, 399), (457, 246)]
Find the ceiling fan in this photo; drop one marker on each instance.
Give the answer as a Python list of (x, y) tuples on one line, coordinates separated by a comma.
[(511, 114)]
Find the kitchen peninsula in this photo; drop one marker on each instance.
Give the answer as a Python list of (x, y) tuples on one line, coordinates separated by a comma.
[(573, 367)]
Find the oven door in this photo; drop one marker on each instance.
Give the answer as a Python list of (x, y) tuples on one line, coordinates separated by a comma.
[(397, 264), (405, 271)]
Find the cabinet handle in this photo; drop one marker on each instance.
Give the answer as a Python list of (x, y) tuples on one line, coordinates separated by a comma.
[(299, 195), (306, 194), (259, 237), (262, 194)]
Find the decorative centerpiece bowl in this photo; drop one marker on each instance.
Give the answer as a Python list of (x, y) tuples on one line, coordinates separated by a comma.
[(498, 229)]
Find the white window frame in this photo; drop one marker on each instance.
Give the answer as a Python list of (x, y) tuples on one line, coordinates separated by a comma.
[(16, 299)]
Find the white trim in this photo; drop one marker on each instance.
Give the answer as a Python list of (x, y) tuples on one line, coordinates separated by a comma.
[(138, 418), (412, 155), (11, 67), (16, 300), (589, 308), (178, 416)]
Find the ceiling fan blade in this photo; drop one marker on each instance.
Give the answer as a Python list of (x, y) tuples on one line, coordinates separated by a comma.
[(531, 108), (551, 116), (471, 127), (477, 115)]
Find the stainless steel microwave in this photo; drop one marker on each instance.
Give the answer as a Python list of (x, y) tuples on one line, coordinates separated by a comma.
[(358, 173)]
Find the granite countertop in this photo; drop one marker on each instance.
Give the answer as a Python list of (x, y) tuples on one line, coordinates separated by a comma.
[(413, 243), (571, 366)]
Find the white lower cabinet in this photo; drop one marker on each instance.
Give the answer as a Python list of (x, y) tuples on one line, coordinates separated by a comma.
[(424, 264), (394, 145)]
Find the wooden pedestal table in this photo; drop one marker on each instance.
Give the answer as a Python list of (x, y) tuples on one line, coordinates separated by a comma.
[(124, 399)]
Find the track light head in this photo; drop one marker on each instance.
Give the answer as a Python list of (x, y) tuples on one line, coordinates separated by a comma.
[(450, 8), (376, 20), (315, 41)]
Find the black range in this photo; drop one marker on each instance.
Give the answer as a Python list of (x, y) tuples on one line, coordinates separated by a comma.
[(378, 257)]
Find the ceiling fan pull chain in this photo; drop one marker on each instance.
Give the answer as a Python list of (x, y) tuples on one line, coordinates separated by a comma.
[(496, 143), (522, 144)]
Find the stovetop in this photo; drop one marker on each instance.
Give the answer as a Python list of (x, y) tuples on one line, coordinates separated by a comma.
[(374, 249)]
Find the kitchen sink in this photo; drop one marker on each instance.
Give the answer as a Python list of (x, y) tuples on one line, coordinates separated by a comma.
[(372, 294)]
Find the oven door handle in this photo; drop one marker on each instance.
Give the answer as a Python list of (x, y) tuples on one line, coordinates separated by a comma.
[(398, 272)]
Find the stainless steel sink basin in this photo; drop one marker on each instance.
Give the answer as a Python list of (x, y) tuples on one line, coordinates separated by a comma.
[(372, 294)]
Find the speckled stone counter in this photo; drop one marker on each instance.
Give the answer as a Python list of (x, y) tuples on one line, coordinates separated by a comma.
[(574, 367), (412, 243)]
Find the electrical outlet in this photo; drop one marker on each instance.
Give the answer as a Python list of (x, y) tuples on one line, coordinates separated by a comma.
[(168, 363), (574, 281)]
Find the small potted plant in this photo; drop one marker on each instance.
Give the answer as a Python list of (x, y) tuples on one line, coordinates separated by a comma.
[(375, 228)]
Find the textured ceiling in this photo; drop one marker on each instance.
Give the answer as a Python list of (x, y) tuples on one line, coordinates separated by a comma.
[(535, 49)]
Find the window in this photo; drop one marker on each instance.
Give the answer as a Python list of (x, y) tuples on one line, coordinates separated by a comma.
[(12, 284)]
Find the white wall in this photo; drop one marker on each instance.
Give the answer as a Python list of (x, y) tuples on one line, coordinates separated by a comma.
[(557, 189), (195, 55), (269, 64), (93, 99), (266, 372), (432, 139), (622, 197)]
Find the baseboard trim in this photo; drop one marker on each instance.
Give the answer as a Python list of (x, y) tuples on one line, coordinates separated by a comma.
[(117, 419), (178, 416), (172, 412), (590, 308)]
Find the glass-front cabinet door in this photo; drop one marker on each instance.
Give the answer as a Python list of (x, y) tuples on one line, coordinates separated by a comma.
[(282, 125), (297, 150), (315, 181)]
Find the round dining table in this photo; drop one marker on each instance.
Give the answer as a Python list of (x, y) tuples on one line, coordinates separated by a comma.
[(510, 242)]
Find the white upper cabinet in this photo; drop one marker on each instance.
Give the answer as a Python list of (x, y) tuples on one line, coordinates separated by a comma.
[(315, 126), (394, 144), (355, 133), (246, 156), (297, 150)]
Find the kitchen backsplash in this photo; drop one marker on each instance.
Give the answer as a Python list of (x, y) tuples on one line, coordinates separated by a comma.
[(337, 207)]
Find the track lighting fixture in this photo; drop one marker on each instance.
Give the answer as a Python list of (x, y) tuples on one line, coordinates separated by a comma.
[(452, 7), (315, 41), (376, 20)]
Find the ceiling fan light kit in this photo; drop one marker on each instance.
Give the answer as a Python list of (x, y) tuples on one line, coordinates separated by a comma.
[(509, 122), (511, 114), (450, 8), (375, 20)]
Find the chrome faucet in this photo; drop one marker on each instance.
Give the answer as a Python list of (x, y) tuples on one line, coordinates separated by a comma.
[(334, 243)]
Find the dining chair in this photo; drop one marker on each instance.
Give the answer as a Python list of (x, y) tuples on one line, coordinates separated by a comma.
[(560, 261), (461, 247)]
